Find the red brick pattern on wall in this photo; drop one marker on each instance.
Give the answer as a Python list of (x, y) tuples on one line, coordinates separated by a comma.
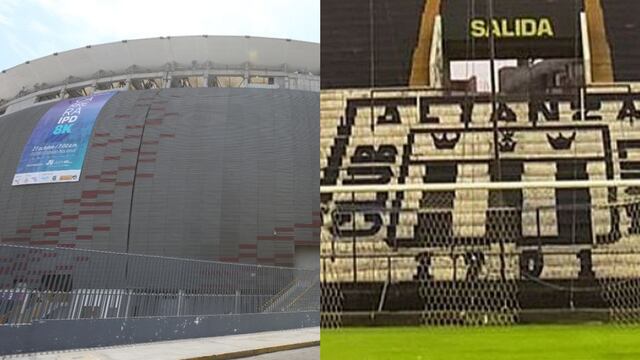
[(97, 202), (288, 235)]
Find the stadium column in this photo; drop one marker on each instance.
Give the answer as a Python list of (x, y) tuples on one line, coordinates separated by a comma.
[(420, 62), (601, 63)]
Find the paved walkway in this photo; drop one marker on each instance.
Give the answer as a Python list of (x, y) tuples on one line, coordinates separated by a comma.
[(310, 353), (222, 347)]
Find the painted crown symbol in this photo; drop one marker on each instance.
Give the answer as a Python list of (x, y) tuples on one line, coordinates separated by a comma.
[(561, 142), (444, 142), (507, 143)]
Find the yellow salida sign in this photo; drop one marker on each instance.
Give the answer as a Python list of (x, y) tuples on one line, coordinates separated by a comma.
[(512, 28)]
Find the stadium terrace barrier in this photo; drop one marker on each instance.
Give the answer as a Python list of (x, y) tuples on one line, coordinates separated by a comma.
[(437, 265), (479, 215), (73, 290)]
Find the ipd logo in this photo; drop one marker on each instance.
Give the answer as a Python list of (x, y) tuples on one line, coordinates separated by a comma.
[(64, 125), (70, 116)]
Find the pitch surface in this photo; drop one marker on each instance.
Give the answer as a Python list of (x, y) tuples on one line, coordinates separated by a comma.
[(584, 342)]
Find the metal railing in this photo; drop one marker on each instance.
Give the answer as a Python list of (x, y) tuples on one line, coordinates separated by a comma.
[(60, 283)]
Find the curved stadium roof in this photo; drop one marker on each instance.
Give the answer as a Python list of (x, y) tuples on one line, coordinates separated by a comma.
[(159, 54)]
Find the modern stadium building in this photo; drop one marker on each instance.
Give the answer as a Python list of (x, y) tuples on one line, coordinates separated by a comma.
[(201, 152), (159, 189)]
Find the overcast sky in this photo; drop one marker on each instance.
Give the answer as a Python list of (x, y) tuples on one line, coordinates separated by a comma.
[(30, 29)]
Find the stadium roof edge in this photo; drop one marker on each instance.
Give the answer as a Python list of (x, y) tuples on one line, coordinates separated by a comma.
[(156, 54)]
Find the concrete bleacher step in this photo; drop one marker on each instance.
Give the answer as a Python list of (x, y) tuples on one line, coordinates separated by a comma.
[(469, 208)]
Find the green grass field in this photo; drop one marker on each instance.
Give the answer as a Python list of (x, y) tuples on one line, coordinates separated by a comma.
[(565, 342)]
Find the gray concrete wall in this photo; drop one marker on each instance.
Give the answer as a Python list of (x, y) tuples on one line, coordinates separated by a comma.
[(51, 335)]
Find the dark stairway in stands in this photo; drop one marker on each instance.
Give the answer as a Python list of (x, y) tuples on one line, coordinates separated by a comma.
[(622, 22), (339, 148)]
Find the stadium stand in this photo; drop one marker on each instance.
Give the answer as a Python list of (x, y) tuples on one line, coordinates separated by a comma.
[(373, 239), (475, 255)]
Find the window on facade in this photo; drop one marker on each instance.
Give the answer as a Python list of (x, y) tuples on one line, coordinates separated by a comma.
[(146, 84), (228, 81), (109, 85), (76, 92), (49, 96), (187, 81)]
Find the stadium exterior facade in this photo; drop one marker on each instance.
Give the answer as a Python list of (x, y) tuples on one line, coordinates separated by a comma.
[(204, 151)]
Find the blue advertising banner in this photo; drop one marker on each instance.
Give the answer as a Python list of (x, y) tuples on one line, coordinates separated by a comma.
[(56, 149)]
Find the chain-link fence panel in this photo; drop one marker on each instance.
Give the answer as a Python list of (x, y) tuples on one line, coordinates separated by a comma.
[(475, 254)]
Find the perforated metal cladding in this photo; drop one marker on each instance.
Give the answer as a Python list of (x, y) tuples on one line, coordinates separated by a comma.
[(223, 174)]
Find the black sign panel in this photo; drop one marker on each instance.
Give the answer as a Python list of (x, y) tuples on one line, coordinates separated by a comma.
[(522, 28)]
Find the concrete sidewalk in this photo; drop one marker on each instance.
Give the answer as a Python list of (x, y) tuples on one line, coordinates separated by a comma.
[(222, 347)]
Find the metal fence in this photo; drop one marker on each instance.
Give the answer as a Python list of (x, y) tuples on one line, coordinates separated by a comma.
[(62, 283)]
